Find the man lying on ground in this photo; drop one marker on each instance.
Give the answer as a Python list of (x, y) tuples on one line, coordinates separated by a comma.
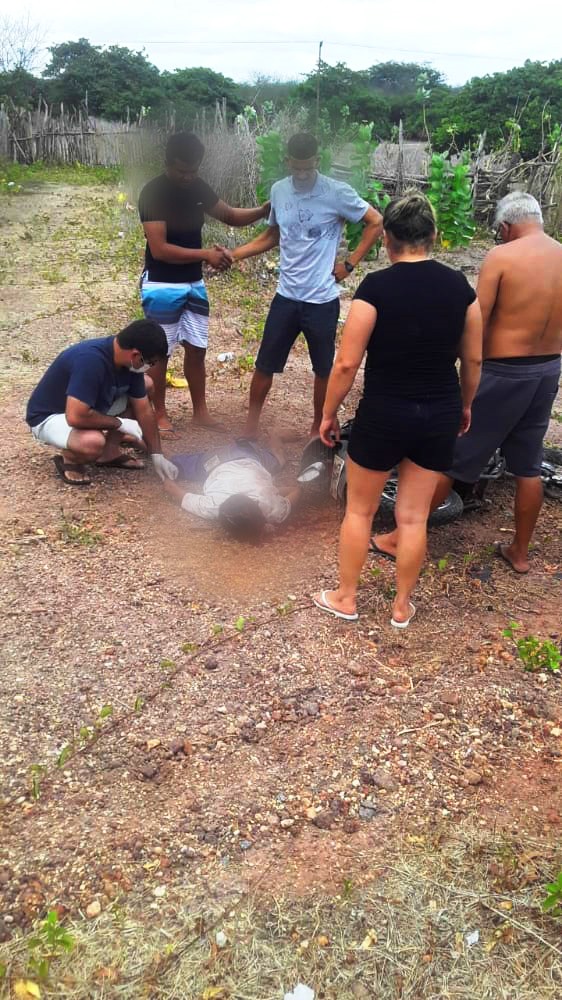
[(172, 209), (520, 294), (239, 488), (93, 398), (308, 212)]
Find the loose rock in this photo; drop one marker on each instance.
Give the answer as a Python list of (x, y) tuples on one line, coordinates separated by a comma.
[(382, 779), (473, 777), (149, 771), (450, 697), (357, 669), (93, 909), (324, 820)]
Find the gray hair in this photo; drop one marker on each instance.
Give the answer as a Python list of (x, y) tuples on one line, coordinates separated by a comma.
[(518, 206)]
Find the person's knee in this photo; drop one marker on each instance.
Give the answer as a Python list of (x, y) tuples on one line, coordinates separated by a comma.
[(410, 517), (360, 508), (149, 386), (87, 444)]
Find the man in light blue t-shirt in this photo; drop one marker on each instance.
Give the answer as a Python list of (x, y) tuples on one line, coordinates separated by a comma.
[(308, 212)]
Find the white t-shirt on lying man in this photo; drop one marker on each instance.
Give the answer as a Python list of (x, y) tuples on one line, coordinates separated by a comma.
[(246, 476)]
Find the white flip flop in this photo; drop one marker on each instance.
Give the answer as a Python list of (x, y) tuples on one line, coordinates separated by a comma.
[(405, 624), (323, 605)]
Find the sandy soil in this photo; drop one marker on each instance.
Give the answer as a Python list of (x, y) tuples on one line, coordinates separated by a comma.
[(251, 740)]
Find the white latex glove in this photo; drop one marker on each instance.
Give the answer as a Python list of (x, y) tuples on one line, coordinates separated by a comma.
[(164, 468), (131, 427)]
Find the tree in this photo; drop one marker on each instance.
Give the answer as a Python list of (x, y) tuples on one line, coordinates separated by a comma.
[(20, 44), (266, 90), (392, 78), (345, 94), (109, 80), (489, 102), (190, 90), (21, 88)]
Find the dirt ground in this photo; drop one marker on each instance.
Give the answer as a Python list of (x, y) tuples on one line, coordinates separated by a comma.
[(248, 743)]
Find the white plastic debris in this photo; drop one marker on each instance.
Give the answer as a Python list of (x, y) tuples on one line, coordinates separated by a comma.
[(221, 939), (471, 938), (226, 356), (300, 992)]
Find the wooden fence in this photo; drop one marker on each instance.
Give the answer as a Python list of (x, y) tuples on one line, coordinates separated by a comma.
[(68, 138), (232, 166)]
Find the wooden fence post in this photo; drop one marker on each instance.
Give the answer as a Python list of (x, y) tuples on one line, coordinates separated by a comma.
[(400, 160)]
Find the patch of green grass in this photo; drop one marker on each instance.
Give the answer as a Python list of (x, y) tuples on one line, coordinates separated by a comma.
[(52, 275), (14, 175), (74, 533)]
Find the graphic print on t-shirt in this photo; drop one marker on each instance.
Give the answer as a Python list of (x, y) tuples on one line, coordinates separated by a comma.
[(310, 227)]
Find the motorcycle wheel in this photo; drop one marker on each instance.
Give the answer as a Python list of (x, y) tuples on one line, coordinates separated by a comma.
[(553, 490), (552, 455), (451, 508)]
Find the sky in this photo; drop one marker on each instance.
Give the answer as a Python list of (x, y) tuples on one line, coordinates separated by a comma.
[(243, 38)]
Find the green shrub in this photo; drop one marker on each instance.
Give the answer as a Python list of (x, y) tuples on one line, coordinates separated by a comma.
[(450, 193)]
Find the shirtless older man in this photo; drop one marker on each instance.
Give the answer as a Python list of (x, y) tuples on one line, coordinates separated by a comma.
[(520, 294)]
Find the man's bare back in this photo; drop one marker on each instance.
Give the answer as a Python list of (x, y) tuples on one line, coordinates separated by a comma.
[(520, 291)]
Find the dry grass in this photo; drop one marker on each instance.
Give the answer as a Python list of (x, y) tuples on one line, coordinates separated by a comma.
[(402, 935)]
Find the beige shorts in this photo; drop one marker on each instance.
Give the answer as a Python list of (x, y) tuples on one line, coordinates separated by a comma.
[(55, 430)]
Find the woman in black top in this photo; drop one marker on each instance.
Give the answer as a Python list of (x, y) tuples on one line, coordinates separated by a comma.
[(413, 320)]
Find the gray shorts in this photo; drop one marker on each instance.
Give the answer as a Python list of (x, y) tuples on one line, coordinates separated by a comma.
[(511, 411)]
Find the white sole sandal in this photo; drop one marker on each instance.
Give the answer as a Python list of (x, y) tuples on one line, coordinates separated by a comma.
[(405, 624), (324, 606)]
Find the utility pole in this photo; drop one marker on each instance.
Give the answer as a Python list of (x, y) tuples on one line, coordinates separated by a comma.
[(318, 71)]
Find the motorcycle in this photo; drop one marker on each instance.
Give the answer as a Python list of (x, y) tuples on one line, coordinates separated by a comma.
[(325, 468)]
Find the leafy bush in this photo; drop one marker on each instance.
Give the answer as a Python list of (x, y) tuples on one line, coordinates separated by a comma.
[(553, 896), (534, 654), (450, 193), (371, 190), (271, 155)]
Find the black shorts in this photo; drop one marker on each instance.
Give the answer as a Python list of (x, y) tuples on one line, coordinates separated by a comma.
[(387, 429), (318, 321)]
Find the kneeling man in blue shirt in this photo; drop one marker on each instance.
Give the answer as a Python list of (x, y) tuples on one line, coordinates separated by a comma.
[(308, 212), (93, 398)]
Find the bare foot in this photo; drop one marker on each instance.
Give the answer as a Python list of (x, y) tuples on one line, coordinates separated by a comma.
[(208, 422), (288, 434), (386, 544), (165, 425), (517, 562)]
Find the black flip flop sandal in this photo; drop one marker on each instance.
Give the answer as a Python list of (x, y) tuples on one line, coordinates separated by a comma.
[(373, 547), (63, 467), (122, 462)]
